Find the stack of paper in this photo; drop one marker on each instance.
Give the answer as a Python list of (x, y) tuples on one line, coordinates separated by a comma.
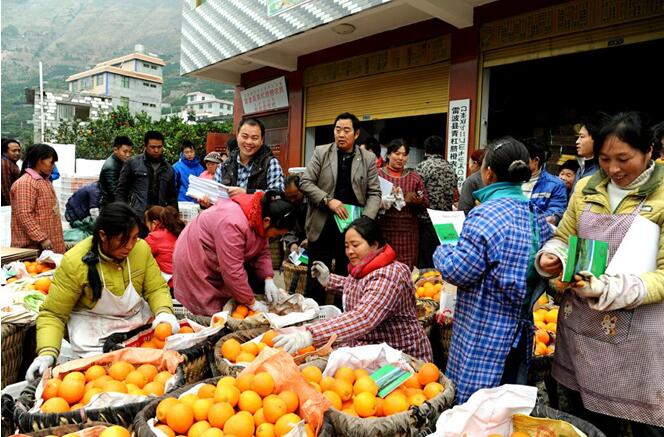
[(200, 188), (447, 224)]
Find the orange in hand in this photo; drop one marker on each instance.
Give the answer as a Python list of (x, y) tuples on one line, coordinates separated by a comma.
[(162, 331)]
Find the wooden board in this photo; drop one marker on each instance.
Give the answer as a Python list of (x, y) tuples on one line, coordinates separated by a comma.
[(10, 254)]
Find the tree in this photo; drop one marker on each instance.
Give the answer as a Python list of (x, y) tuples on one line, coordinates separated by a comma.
[(94, 138)]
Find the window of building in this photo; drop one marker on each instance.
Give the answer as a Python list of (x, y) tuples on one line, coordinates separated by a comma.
[(72, 112), (202, 98), (153, 67), (153, 85), (99, 79), (200, 106), (146, 84), (152, 105), (125, 82), (209, 105), (124, 101)]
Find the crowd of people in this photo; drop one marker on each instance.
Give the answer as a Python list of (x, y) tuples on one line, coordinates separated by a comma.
[(519, 219)]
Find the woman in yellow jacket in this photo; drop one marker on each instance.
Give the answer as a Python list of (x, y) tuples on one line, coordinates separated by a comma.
[(610, 342), (106, 283)]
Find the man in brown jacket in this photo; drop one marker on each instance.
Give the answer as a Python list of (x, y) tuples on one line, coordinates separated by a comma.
[(339, 173)]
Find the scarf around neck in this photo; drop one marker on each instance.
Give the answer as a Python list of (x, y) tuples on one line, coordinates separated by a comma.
[(376, 260)]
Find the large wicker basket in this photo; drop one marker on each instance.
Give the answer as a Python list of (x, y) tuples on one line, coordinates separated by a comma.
[(13, 351), (277, 253), (295, 277), (222, 367), (426, 313), (62, 430)]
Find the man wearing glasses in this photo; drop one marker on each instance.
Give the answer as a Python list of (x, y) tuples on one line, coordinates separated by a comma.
[(339, 174)]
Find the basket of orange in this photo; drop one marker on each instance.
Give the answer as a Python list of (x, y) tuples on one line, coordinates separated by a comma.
[(357, 410), (13, 351), (110, 387), (545, 319), (193, 341), (270, 398), (89, 429)]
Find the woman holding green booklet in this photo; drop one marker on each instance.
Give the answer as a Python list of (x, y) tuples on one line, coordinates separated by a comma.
[(610, 342)]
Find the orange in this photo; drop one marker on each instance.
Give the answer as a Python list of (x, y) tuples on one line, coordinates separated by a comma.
[(115, 431), (412, 382), (51, 388), (219, 413), (240, 425), (312, 374), (519, 434), (227, 393), (551, 316), (244, 357), (148, 345), (365, 384), (74, 376), (538, 315), (316, 386), (76, 407), (291, 399), (206, 391), (543, 299), (155, 388), (163, 330), (180, 417), (149, 370), (94, 372), (379, 407), (226, 380), (115, 386), (345, 373), (189, 399), (250, 401), (99, 382), (242, 310), (540, 325), (212, 432), (230, 349), (268, 337), (542, 336), (350, 412), (263, 384), (42, 284), (333, 398), (158, 344), (137, 378), (244, 382), (394, 403), (120, 370), (417, 399), (250, 347), (163, 407), (265, 430), (326, 383), (259, 417), (198, 428), (360, 372), (432, 389), (343, 388), (285, 424), (55, 405), (274, 408), (305, 350), (163, 377), (166, 430), (540, 348), (186, 330), (71, 390), (364, 404), (428, 373), (551, 326), (236, 315), (87, 397)]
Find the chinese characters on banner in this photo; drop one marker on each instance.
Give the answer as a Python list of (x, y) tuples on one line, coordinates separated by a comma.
[(265, 97), (457, 136)]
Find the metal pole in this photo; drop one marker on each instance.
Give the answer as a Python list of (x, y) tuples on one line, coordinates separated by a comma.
[(41, 101)]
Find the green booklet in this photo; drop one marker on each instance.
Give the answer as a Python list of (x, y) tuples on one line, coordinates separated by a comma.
[(388, 378), (446, 233), (354, 212), (585, 255)]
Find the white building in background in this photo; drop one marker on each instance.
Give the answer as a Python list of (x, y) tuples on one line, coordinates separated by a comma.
[(207, 106)]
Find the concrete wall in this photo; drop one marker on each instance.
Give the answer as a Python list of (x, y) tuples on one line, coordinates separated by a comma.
[(147, 68), (140, 96), (97, 105)]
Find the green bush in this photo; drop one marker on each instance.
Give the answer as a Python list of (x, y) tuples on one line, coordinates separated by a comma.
[(94, 138)]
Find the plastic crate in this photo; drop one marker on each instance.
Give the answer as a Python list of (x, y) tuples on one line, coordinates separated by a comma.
[(188, 211)]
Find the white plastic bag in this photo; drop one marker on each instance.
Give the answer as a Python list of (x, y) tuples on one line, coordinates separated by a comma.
[(370, 357)]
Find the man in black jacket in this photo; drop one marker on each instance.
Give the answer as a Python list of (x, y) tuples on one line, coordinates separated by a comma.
[(147, 179), (110, 172)]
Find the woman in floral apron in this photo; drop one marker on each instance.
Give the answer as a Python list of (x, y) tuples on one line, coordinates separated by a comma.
[(610, 344), (106, 283)]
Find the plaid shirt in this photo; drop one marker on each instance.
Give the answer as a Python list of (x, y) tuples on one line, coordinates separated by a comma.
[(35, 213), (275, 176), (10, 174), (379, 307), (489, 266)]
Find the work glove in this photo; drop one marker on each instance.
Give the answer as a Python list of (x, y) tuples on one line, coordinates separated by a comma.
[(610, 292), (167, 318), (272, 293), (320, 272), (294, 341), (38, 367), (259, 307)]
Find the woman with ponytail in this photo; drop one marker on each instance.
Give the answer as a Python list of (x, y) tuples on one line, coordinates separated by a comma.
[(107, 283), (165, 225), (492, 266)]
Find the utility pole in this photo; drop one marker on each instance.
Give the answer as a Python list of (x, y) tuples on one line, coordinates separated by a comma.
[(41, 102)]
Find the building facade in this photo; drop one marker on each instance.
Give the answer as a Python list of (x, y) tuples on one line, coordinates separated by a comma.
[(205, 106), (467, 70)]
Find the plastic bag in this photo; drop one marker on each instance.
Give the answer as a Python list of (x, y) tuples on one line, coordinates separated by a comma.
[(370, 357), (538, 426)]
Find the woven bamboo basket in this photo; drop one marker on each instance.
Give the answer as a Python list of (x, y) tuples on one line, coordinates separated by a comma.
[(295, 277), (276, 253), (63, 430), (426, 313), (13, 336), (223, 368)]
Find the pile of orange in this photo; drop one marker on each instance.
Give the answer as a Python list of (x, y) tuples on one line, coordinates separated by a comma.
[(242, 312), (161, 332), (244, 407), (545, 321), (76, 389), (115, 431), (237, 352), (36, 267), (354, 392), (429, 290)]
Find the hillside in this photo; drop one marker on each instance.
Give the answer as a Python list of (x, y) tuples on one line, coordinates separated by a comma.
[(72, 35)]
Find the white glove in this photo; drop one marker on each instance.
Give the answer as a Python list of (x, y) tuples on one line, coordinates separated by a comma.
[(387, 202), (272, 293), (320, 272), (38, 367), (612, 292), (294, 341), (167, 318), (259, 307)]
